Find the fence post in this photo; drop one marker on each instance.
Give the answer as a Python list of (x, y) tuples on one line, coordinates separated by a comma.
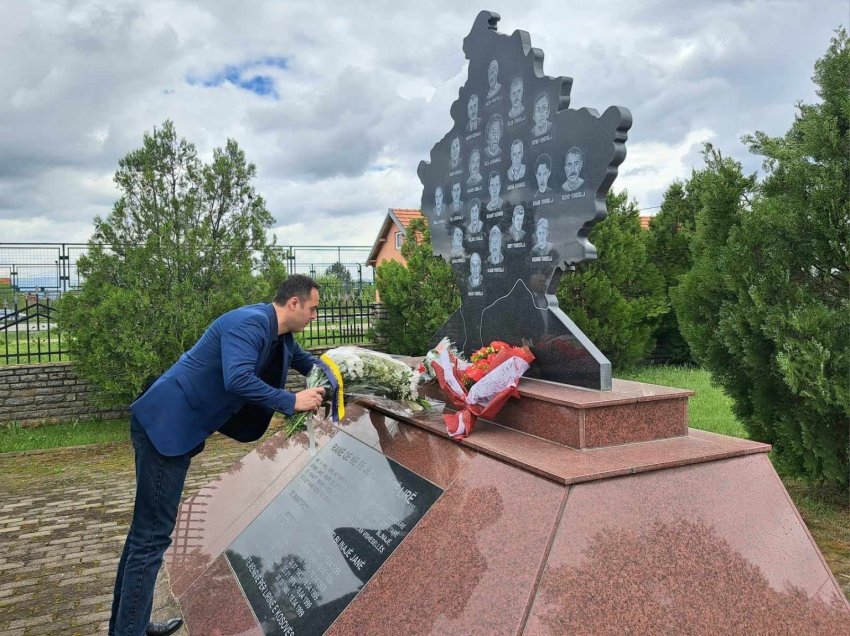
[(377, 312)]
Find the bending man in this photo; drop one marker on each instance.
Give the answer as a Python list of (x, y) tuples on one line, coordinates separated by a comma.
[(230, 382)]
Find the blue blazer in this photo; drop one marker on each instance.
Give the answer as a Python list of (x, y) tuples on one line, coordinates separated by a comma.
[(230, 381)]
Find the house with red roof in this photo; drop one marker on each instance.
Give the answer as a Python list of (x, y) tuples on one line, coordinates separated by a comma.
[(391, 236)]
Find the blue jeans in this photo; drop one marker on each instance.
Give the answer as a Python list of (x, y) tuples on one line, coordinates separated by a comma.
[(159, 485)]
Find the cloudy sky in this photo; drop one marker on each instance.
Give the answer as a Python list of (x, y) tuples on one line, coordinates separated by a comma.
[(337, 102)]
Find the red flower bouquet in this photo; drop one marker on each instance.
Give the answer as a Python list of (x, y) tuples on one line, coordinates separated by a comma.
[(480, 387)]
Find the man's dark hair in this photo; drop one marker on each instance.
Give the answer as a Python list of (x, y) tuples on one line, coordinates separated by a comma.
[(295, 285)]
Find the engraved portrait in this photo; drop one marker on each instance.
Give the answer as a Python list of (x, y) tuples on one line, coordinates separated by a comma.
[(475, 177), (473, 120), (517, 169), (493, 79), (542, 172), (493, 134), (573, 162), (542, 125), (516, 91), (494, 186)]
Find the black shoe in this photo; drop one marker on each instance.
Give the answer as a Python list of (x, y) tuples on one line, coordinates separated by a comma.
[(164, 628)]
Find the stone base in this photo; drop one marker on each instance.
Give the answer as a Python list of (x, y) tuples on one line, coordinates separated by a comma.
[(689, 533), (585, 418)]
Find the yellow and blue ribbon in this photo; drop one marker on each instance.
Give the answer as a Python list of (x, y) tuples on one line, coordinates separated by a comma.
[(335, 378)]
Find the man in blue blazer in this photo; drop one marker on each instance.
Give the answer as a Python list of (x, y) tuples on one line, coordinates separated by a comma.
[(230, 381)]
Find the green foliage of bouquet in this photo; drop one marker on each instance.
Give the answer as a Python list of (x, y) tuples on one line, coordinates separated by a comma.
[(362, 371)]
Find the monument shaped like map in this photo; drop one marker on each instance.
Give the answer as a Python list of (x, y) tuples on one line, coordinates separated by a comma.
[(511, 194)]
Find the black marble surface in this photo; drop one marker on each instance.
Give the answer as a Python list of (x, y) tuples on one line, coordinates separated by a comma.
[(305, 557), (511, 193)]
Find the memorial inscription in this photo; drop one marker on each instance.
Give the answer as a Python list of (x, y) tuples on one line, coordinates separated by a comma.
[(535, 174), (305, 557)]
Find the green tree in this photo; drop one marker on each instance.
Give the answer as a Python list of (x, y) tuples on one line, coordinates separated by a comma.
[(337, 283), (618, 299), (185, 242), (668, 248), (766, 307), (418, 297)]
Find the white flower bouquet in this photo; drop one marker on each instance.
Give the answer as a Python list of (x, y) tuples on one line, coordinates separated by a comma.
[(362, 371)]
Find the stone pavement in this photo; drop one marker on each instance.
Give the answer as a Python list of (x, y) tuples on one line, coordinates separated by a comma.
[(64, 515)]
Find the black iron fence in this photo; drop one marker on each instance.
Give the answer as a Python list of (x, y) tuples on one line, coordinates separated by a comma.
[(52, 268), (34, 275), (28, 331)]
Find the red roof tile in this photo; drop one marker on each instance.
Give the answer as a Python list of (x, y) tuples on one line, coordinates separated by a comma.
[(406, 215)]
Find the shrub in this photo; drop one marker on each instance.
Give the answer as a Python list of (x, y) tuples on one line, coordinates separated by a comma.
[(184, 243), (668, 248), (766, 307), (618, 299), (418, 297)]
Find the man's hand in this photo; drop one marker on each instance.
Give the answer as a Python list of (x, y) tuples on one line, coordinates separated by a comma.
[(309, 399)]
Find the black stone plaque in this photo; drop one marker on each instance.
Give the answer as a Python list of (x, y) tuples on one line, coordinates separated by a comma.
[(511, 193), (305, 557)]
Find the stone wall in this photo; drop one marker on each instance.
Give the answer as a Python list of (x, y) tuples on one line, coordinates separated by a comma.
[(51, 392)]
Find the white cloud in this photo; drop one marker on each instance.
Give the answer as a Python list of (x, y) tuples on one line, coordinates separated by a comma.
[(364, 93)]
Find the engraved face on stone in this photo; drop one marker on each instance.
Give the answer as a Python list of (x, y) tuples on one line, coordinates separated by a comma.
[(518, 218), (474, 168), (474, 161), (495, 188), (475, 225), (438, 197), (457, 243), (456, 194), (544, 170), (494, 136), (516, 98), (517, 169), (493, 79), (542, 235), (473, 120), (475, 270), (574, 160), (457, 238), (454, 153), (542, 125), (495, 243), (516, 153)]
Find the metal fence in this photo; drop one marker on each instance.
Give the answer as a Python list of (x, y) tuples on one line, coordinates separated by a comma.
[(34, 275), (29, 333), (51, 269)]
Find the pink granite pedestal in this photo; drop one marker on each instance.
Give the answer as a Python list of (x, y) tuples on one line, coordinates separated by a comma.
[(573, 514)]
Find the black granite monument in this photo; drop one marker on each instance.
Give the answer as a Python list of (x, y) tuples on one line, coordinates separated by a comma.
[(511, 193), (308, 554)]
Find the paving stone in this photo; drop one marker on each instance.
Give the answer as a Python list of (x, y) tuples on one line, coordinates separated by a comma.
[(63, 520)]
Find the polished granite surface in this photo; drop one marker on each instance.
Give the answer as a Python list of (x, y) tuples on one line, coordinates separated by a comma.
[(533, 537), (713, 548)]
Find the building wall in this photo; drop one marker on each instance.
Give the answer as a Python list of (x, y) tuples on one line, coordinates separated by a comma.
[(388, 252)]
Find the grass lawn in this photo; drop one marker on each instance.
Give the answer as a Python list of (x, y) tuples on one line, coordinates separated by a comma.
[(709, 410), (30, 348), (20, 438)]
